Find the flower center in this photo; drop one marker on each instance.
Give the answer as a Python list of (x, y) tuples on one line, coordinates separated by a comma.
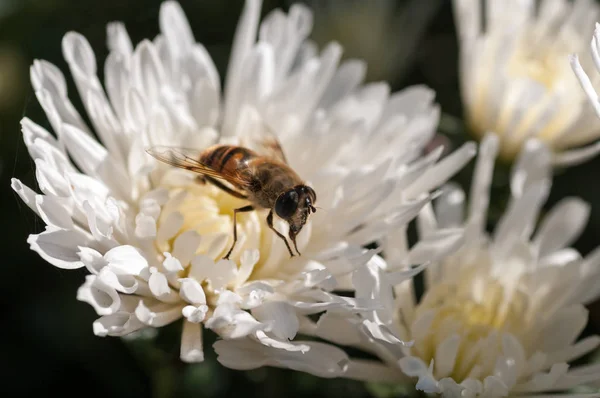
[(542, 62), (470, 316)]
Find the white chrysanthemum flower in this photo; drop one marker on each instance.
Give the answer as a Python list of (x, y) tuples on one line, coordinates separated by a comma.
[(515, 77), (153, 238), (501, 316)]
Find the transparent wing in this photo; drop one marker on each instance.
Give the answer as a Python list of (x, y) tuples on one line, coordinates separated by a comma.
[(264, 142), (187, 159)]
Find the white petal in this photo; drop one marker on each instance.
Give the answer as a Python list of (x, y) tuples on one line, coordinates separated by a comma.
[(248, 260), (92, 259), (99, 295), (245, 36), (191, 343), (127, 259), (117, 324), (192, 292), (280, 316), (185, 246), (145, 226), (175, 27), (26, 194), (59, 247), (532, 165), (338, 329), (383, 333), (117, 38), (171, 263), (322, 360), (480, 187), (437, 245), (218, 274), (372, 371), (564, 328), (230, 322), (157, 315), (577, 156), (169, 226), (442, 171), (562, 225), (269, 341), (146, 70), (445, 356), (195, 314), (415, 367), (159, 286), (121, 283)]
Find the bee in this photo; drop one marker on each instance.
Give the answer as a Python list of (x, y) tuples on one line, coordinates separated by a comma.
[(264, 179)]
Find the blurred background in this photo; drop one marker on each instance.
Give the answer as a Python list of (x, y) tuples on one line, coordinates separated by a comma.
[(48, 345)]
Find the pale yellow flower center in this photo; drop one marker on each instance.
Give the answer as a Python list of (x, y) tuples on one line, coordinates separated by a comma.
[(505, 104), (542, 62), (209, 212), (476, 311)]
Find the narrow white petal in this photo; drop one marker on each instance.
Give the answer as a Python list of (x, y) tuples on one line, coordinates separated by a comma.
[(442, 171), (191, 343), (437, 245), (117, 39), (562, 225), (175, 27), (26, 194), (245, 36), (248, 260), (577, 156), (585, 82), (480, 187), (445, 356)]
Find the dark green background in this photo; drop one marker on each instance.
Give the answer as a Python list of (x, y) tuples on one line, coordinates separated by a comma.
[(47, 343)]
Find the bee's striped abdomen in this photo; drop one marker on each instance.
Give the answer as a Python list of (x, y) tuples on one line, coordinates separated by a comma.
[(227, 158)]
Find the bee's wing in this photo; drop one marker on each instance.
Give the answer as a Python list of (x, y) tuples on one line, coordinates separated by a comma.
[(264, 142), (188, 159)]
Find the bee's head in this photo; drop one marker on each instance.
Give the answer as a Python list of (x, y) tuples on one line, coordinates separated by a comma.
[(294, 206)]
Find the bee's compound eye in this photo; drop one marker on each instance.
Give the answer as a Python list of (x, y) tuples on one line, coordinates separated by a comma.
[(286, 204)]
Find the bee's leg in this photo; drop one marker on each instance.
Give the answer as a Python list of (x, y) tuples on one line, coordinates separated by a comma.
[(270, 224), (293, 239), (201, 180), (235, 212), (224, 187)]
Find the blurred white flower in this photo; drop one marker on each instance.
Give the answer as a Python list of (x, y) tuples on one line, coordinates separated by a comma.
[(501, 316), (385, 34), (515, 77), (152, 238)]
